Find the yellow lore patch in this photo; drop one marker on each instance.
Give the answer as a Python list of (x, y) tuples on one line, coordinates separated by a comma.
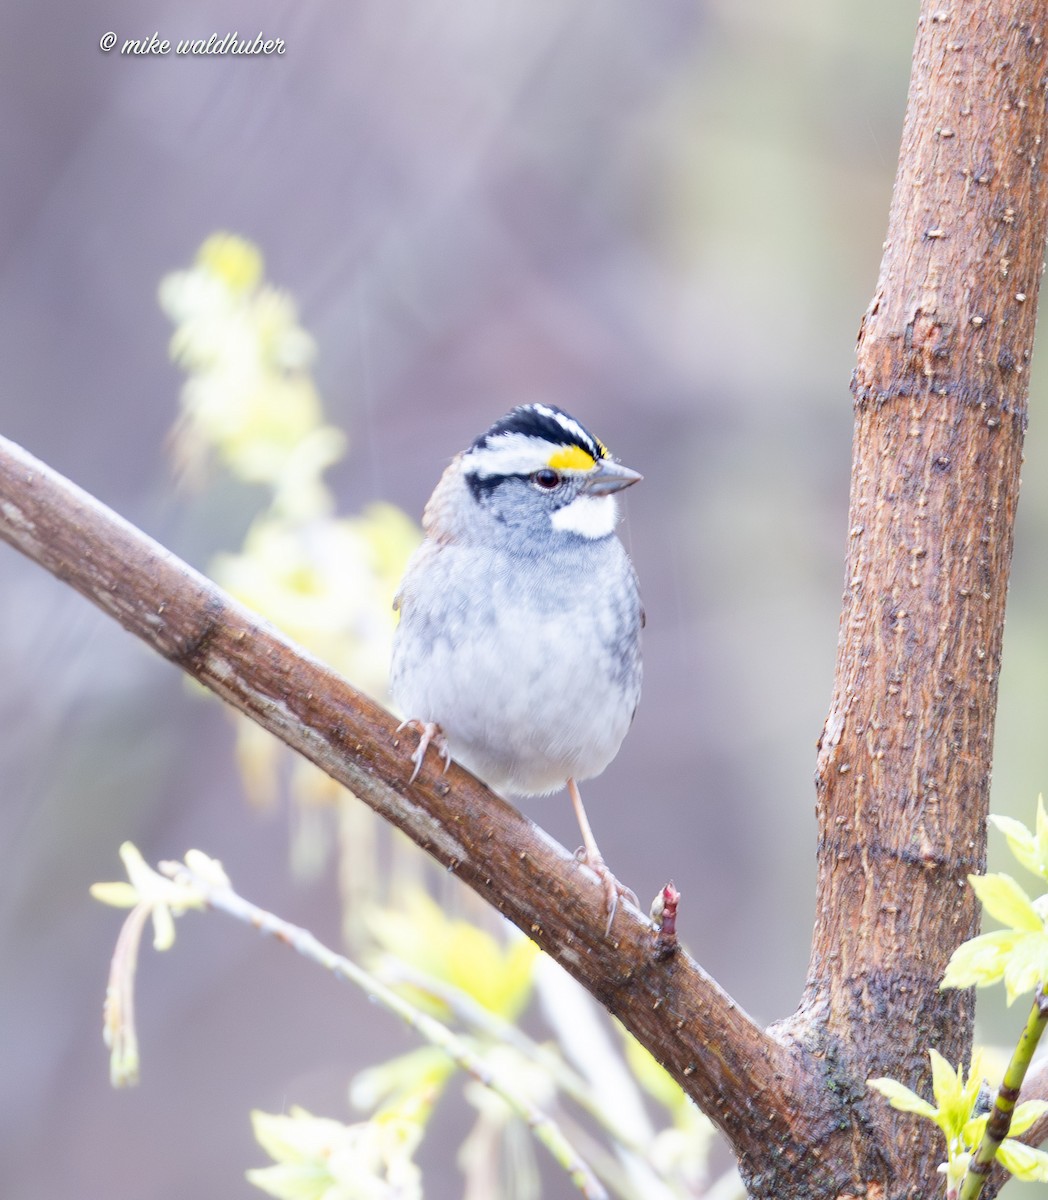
[(571, 458)]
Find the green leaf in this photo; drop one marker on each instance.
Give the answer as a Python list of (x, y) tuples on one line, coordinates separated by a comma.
[(955, 1094), (322, 1159), (295, 1136), (973, 1131), (1042, 838), (972, 1088), (1023, 1161), (426, 1069), (1031, 849), (119, 894), (1026, 1114), (286, 1182), (494, 974), (1021, 842), (1006, 901), (946, 1083), (982, 960), (1027, 965), (901, 1097), (163, 928)]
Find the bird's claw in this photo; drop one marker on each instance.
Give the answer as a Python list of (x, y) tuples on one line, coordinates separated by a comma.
[(429, 735), (611, 886)]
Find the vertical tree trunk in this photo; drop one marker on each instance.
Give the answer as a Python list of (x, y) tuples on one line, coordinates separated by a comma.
[(940, 394), (904, 760)]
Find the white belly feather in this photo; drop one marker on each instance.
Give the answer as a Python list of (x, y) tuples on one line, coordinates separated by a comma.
[(525, 703)]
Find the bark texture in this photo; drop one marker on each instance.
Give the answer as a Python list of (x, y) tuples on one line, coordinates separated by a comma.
[(671, 1004), (904, 759), (940, 394)]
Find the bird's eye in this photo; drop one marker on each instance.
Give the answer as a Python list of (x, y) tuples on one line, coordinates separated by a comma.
[(547, 479)]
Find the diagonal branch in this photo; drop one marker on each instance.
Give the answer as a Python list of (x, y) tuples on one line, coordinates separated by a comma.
[(221, 897), (748, 1082)]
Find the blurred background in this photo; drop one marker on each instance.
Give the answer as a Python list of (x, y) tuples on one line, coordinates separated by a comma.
[(666, 218)]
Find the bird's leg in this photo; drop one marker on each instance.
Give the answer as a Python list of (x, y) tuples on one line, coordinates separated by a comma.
[(429, 735), (593, 859)]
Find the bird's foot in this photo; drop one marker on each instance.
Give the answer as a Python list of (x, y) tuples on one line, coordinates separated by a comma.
[(429, 735), (613, 890)]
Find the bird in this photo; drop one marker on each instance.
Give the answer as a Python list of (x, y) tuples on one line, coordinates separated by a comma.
[(518, 648)]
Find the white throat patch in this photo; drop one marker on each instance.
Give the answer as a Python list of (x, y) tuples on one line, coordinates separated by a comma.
[(589, 516)]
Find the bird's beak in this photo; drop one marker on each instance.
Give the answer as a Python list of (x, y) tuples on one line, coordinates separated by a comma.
[(607, 477)]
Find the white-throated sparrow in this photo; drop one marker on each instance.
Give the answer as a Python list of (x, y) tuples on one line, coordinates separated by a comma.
[(518, 648)]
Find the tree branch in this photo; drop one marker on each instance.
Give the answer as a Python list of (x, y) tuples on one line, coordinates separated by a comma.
[(749, 1083), (940, 394), (221, 897), (904, 760)]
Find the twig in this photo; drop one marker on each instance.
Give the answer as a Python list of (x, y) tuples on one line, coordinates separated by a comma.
[(500, 1030), (664, 914), (1000, 1121), (751, 1084), (543, 1126)]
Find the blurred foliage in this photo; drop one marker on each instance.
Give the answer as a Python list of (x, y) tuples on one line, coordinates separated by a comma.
[(149, 896), (516, 1086), (250, 405), (320, 1159), (250, 402), (677, 208), (1017, 956), (457, 954), (961, 1113)]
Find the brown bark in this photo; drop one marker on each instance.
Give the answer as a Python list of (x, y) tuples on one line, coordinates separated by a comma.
[(673, 1007), (940, 392), (904, 760)]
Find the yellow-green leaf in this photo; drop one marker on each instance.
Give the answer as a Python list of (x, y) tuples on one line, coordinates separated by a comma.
[(453, 952), (1026, 1114), (119, 894), (980, 961), (955, 1095), (321, 1159), (296, 1136), (901, 1097), (1027, 965), (973, 1131), (163, 928), (1023, 1161), (1021, 842), (1041, 836), (285, 1182), (946, 1082), (235, 260), (424, 1070), (1006, 901)]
